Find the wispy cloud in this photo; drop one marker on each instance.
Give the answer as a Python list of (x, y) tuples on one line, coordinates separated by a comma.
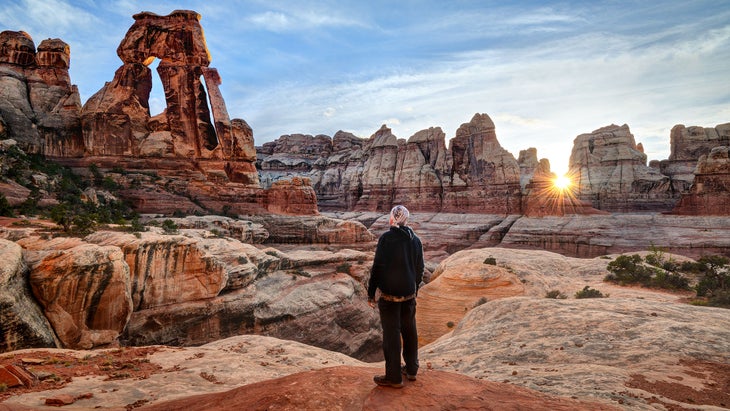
[(295, 20)]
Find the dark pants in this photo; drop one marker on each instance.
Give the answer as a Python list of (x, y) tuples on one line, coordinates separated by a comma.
[(399, 320)]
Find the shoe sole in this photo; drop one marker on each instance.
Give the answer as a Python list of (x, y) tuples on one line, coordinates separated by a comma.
[(390, 384)]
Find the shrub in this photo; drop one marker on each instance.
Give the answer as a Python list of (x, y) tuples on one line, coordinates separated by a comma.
[(6, 210), (490, 261), (169, 227), (450, 324), (556, 294), (670, 280), (628, 269), (242, 259), (715, 283), (344, 268), (588, 292), (3, 387)]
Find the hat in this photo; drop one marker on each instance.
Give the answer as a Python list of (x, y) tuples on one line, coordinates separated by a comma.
[(399, 215)]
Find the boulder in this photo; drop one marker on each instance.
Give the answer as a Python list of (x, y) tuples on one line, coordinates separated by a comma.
[(23, 324), (84, 291)]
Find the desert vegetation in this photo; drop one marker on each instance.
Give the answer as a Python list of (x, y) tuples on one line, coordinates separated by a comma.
[(712, 274)]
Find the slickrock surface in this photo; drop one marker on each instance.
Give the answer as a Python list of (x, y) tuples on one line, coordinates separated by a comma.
[(23, 323), (181, 372), (470, 278), (584, 236), (351, 388), (602, 349), (595, 235)]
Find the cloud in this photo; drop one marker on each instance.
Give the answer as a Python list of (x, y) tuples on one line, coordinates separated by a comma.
[(294, 19), (47, 18)]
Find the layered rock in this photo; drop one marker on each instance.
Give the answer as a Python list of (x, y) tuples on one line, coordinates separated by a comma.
[(459, 284), (475, 175), (190, 158), (710, 192), (84, 291), (594, 349), (117, 122), (687, 145), (40, 107), (543, 197), (610, 171), (485, 177), (197, 286), (23, 324)]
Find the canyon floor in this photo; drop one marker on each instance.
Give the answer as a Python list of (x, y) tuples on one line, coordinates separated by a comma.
[(513, 349)]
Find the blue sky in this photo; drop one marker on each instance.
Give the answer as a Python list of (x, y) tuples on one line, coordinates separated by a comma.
[(544, 71)]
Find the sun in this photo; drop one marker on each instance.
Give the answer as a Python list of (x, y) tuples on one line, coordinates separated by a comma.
[(562, 182)]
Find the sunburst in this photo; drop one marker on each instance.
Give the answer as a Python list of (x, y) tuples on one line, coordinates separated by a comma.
[(563, 182)]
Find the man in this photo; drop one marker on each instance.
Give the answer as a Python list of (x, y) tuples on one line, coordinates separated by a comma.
[(397, 271)]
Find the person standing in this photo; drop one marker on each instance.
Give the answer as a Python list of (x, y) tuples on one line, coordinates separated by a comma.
[(397, 272)]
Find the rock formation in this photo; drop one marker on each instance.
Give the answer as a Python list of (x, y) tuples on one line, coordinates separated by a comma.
[(611, 173), (23, 323), (583, 236), (203, 284), (594, 348), (474, 175), (116, 120), (710, 191), (542, 197), (39, 108), (83, 289), (687, 145), (190, 158)]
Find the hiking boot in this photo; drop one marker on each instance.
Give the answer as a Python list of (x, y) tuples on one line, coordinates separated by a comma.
[(380, 380), (409, 376)]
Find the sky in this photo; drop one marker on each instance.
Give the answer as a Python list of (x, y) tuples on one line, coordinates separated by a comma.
[(544, 71)]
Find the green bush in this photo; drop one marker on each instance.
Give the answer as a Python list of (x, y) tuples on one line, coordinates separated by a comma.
[(588, 292), (556, 294), (630, 269), (6, 210), (169, 227)]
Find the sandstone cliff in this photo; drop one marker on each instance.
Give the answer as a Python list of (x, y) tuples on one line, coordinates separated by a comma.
[(710, 191), (474, 175), (39, 108), (610, 171)]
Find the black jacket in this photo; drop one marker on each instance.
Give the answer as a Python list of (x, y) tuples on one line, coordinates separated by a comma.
[(398, 264)]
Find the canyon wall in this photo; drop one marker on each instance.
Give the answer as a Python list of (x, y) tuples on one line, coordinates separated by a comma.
[(475, 174)]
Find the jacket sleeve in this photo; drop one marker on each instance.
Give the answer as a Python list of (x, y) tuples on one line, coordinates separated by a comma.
[(419, 266), (377, 270)]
